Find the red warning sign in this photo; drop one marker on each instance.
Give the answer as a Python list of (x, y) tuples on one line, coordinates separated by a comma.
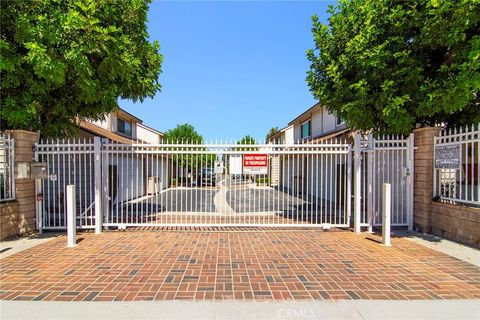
[(255, 164)]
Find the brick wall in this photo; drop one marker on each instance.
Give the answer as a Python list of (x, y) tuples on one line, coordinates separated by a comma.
[(19, 217), (455, 222), (8, 219)]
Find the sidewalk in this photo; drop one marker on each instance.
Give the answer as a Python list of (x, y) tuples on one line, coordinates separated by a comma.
[(453, 249), (12, 246), (365, 310)]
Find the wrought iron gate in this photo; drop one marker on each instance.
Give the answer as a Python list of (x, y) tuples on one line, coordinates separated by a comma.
[(178, 184)]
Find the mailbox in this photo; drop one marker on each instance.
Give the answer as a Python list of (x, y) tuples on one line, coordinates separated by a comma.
[(39, 170)]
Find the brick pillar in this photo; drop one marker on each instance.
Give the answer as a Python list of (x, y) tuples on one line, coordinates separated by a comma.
[(423, 181), (24, 188)]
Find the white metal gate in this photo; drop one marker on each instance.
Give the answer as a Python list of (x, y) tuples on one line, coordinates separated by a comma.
[(387, 159), (195, 184), (67, 162), (178, 184)]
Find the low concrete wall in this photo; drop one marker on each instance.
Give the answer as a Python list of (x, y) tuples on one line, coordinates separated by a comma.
[(8, 219), (457, 223)]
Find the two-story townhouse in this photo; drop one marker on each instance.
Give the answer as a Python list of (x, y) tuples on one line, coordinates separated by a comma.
[(124, 171), (305, 175), (129, 176), (119, 126), (317, 124)]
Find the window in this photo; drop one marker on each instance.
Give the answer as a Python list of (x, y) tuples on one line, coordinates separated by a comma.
[(339, 121), (306, 129), (124, 127)]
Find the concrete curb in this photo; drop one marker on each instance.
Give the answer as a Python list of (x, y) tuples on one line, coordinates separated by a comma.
[(352, 309)]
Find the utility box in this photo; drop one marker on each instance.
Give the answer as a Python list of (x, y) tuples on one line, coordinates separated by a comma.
[(153, 186), (38, 170)]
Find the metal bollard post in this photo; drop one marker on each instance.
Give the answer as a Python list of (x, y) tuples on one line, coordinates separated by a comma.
[(71, 216), (387, 200)]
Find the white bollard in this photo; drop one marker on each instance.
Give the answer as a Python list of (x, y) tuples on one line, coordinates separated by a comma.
[(387, 200), (71, 216)]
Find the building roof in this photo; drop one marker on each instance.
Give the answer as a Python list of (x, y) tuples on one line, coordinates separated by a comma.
[(330, 134), (99, 131), (306, 112), (128, 114), (279, 132), (151, 129)]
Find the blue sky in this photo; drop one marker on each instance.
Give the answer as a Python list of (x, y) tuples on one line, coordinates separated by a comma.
[(230, 68)]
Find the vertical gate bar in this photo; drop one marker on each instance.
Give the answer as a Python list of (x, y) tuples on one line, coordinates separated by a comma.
[(69, 152), (157, 181), (369, 177), (478, 161), (91, 184), (87, 180), (80, 181), (197, 208), (343, 188), (410, 165), (38, 191), (74, 150), (123, 202), (98, 183), (130, 183), (177, 212), (297, 186), (312, 177), (357, 148), (323, 184), (473, 163), (47, 206), (317, 173), (152, 174), (349, 183), (435, 171), (282, 186), (201, 191), (55, 195)]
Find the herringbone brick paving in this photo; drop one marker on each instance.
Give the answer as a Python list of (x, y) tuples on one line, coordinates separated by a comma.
[(248, 265)]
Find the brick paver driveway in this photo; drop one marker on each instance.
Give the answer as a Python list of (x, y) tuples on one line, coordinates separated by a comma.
[(259, 265)]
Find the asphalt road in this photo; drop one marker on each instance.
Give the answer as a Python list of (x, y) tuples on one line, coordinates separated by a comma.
[(242, 197)]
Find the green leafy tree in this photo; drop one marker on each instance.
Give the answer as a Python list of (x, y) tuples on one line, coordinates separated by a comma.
[(183, 133), (246, 141), (390, 64), (186, 134), (63, 61), (271, 132)]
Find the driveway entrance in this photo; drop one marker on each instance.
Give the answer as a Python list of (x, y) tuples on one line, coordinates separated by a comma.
[(181, 184), (303, 264)]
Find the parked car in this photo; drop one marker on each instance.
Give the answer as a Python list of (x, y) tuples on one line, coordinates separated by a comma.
[(207, 177)]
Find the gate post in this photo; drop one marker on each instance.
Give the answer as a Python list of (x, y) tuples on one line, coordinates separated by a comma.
[(357, 181), (409, 179), (97, 153), (38, 202), (370, 175)]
